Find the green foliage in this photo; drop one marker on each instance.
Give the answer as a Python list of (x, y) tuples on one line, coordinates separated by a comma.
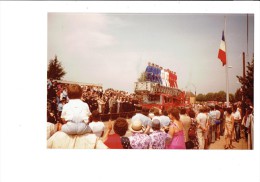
[(55, 69), (248, 81), (238, 95), (200, 98), (218, 96)]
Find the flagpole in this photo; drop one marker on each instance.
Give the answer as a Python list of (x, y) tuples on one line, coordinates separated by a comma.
[(227, 89)]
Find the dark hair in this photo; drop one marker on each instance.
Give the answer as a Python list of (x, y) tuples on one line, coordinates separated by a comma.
[(175, 113), (249, 110), (183, 110), (95, 115), (192, 113), (165, 113), (155, 111), (234, 108), (229, 110), (120, 126), (74, 91)]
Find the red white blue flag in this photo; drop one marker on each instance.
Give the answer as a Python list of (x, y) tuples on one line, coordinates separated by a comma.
[(222, 50)]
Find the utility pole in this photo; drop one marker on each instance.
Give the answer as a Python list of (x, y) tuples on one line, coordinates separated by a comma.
[(243, 86)]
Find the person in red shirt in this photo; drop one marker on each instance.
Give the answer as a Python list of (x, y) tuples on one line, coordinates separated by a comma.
[(117, 139), (175, 80)]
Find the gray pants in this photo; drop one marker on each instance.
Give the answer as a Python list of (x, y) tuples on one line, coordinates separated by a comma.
[(213, 133), (72, 128)]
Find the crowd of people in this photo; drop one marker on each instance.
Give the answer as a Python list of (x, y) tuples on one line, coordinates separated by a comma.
[(176, 128), (106, 102), (160, 75)]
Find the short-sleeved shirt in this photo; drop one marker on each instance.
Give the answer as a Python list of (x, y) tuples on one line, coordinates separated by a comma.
[(113, 141), (75, 110), (144, 119), (165, 121), (97, 128), (202, 119), (158, 139), (236, 115), (140, 141)]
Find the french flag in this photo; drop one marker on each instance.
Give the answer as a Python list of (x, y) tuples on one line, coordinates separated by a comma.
[(222, 50)]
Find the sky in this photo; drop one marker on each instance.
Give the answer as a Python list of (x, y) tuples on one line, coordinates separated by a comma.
[(113, 49)]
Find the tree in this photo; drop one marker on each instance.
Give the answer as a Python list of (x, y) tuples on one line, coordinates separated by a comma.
[(221, 96), (238, 95), (200, 98), (210, 96), (231, 97), (248, 81), (55, 69)]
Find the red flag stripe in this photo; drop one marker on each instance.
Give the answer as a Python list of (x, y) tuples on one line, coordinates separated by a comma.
[(222, 50)]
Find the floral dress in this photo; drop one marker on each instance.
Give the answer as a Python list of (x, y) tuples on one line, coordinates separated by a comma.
[(140, 141)]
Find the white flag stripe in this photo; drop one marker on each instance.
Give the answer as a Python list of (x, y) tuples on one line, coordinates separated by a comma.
[(222, 46)]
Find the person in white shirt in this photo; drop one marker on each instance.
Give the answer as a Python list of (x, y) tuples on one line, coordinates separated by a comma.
[(96, 125), (202, 127), (166, 77), (218, 122), (146, 121), (163, 77), (75, 113), (237, 122)]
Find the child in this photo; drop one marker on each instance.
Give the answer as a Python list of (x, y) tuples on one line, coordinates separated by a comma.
[(75, 113), (96, 125)]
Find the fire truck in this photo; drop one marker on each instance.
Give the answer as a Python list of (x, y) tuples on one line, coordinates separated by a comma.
[(155, 95)]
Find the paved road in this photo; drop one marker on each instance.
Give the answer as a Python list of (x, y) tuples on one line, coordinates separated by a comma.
[(242, 145)]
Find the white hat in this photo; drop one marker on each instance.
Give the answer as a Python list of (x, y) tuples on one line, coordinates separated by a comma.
[(136, 126)]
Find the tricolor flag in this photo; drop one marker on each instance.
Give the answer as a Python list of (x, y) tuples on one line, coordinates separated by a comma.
[(222, 50)]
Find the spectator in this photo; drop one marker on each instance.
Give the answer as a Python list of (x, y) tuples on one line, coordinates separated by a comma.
[(202, 127), (165, 120), (138, 139), (117, 140), (218, 122), (213, 117), (75, 113), (229, 126), (96, 125), (176, 131), (158, 137), (237, 122), (194, 126), (186, 122), (146, 121)]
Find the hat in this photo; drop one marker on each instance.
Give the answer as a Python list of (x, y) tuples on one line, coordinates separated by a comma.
[(136, 126)]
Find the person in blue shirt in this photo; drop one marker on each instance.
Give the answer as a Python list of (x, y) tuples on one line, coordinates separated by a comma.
[(148, 72)]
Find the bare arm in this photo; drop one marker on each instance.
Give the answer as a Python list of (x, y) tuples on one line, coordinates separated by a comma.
[(109, 128), (147, 130)]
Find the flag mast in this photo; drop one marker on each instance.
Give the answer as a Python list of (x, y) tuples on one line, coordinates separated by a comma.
[(227, 87)]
